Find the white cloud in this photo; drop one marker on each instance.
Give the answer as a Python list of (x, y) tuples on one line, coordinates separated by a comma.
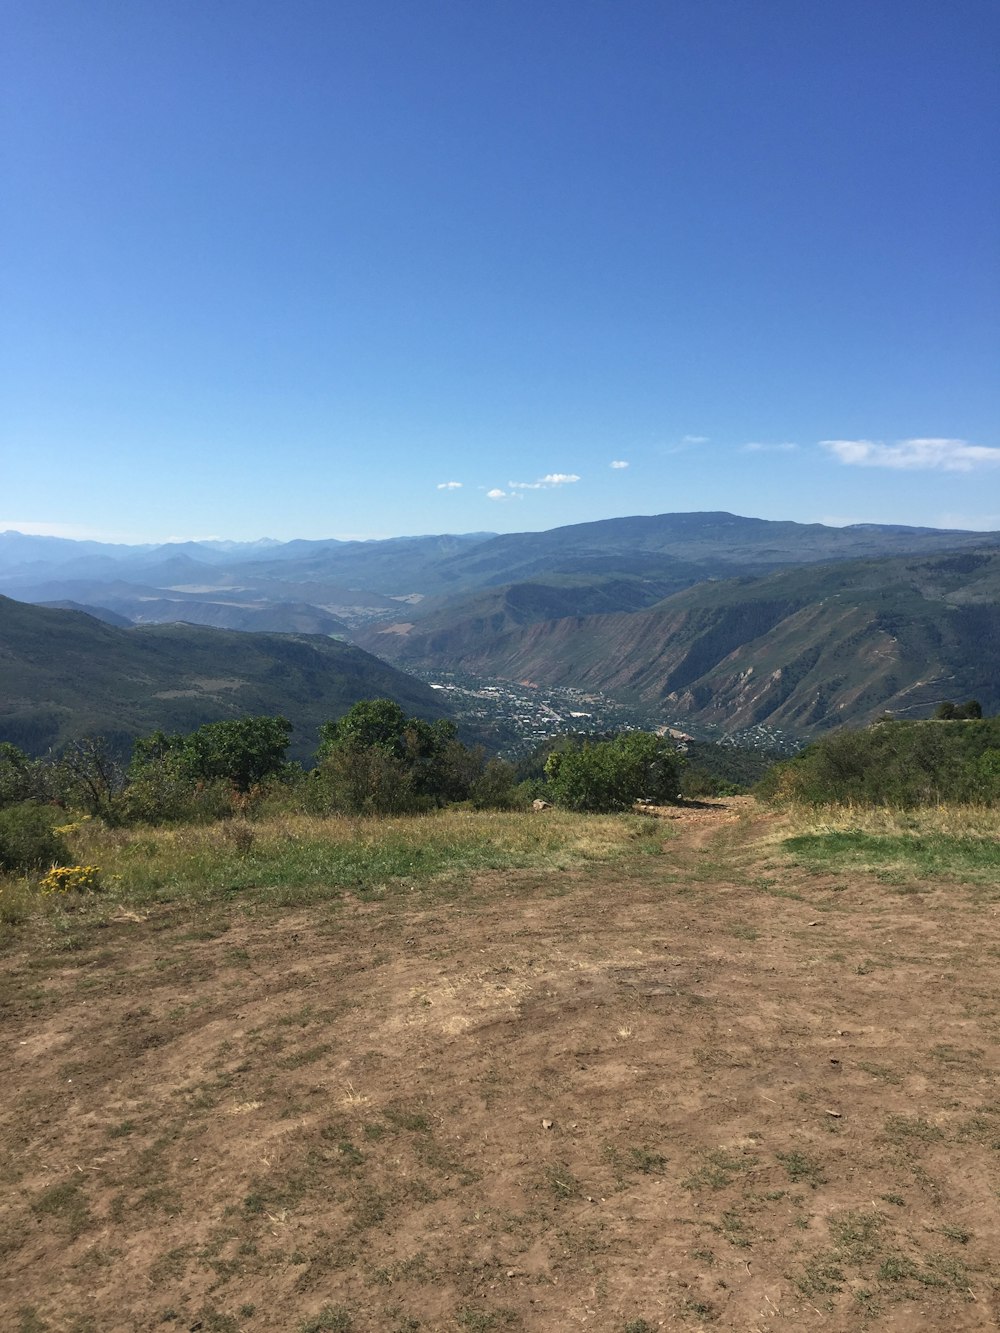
[(449, 486), (497, 494), (544, 483), (755, 448), (619, 463), (694, 439), (914, 455)]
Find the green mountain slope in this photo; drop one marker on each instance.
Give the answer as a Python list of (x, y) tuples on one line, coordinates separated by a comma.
[(804, 649), (64, 674)]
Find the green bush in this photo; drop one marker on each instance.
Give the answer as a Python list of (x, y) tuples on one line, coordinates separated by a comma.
[(28, 840), (496, 788), (613, 775), (376, 760), (904, 764)]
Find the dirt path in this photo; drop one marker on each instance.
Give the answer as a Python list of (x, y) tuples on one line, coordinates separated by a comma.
[(701, 1090)]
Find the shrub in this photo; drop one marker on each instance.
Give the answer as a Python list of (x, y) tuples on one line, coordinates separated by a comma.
[(903, 764), (497, 789), (28, 840), (613, 775), (376, 760)]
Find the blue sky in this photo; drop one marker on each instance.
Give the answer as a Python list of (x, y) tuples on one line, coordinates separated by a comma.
[(372, 267)]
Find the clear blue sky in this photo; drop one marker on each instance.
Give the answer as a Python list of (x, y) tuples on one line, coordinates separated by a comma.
[(298, 267)]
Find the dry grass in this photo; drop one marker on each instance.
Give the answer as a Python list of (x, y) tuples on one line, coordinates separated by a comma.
[(955, 821)]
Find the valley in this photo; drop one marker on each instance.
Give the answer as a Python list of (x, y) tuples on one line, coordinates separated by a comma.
[(711, 623)]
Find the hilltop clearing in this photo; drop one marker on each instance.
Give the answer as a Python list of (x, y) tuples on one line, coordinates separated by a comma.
[(739, 1083)]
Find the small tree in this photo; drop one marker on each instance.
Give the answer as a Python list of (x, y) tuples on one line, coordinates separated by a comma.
[(613, 775), (377, 760), (90, 776), (243, 752)]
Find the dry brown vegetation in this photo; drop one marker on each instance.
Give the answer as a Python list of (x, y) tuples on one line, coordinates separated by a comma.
[(716, 1088)]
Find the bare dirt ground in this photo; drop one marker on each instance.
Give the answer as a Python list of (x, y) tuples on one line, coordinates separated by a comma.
[(702, 1090)]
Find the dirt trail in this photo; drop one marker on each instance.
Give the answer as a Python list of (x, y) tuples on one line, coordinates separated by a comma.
[(699, 1090)]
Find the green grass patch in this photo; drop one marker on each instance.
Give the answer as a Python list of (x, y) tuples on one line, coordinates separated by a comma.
[(301, 859), (917, 855)]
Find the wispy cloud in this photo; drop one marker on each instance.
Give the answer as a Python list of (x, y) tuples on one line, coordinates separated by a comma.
[(497, 494), (449, 485), (754, 447), (686, 442), (914, 455), (618, 464), (545, 483)]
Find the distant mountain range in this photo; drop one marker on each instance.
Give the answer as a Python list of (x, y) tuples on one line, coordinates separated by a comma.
[(715, 618)]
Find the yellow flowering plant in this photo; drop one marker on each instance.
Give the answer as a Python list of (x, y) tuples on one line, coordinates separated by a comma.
[(72, 879)]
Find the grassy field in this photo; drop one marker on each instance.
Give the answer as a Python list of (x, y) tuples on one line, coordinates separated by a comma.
[(715, 1068)]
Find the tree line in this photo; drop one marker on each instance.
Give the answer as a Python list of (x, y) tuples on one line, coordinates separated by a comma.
[(375, 760)]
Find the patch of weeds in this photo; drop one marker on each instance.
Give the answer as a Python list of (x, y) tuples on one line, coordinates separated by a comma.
[(159, 1196), (958, 1234), (306, 1057), (821, 1275), (373, 1130), (866, 1299), (897, 1199), (31, 1320), (121, 1131), (299, 1018), (951, 1055), (214, 1321), (561, 1181), (802, 1168), (897, 1268), (350, 1157), (706, 1256), (700, 1309), (947, 1269), (903, 1128), (649, 1163), (402, 1117), (720, 1169), (734, 1229), (369, 1208), (481, 1321), (856, 1234), (879, 1071), (169, 1266), (744, 932), (416, 1268), (638, 1326), (66, 1204), (330, 1319)]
